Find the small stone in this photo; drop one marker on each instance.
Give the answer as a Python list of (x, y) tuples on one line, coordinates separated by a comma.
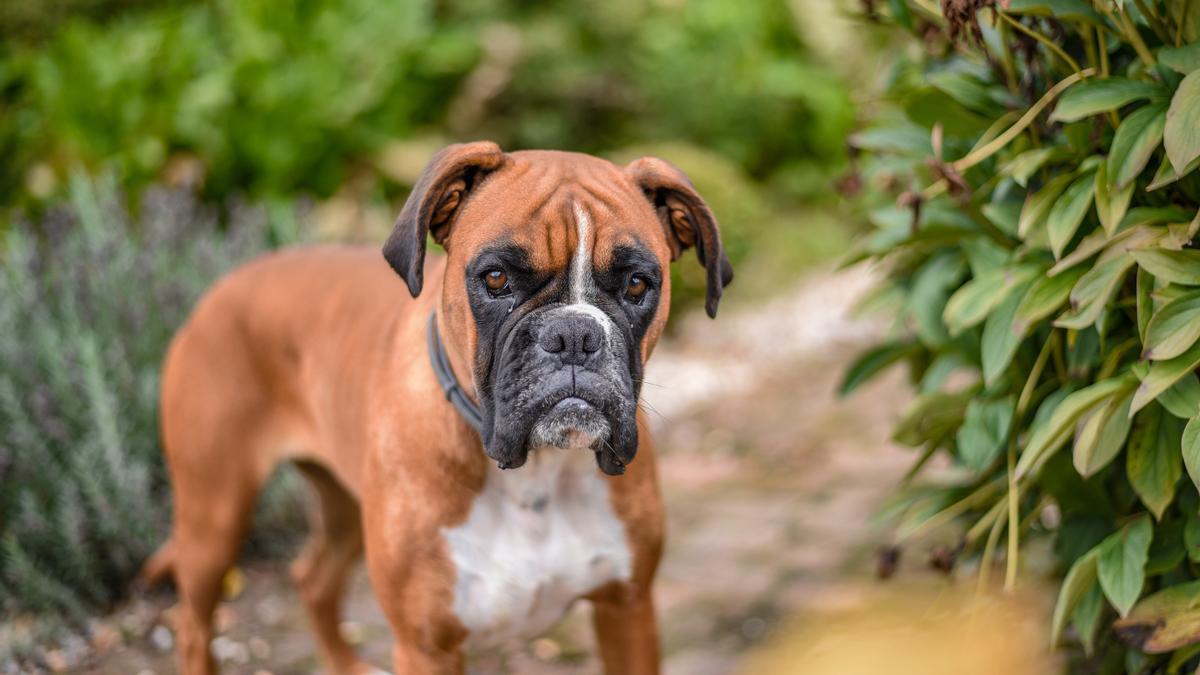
[(546, 649), (270, 611), (105, 636), (753, 628), (224, 618), (161, 638), (56, 661), (233, 583), (353, 632), (259, 648), (227, 650)]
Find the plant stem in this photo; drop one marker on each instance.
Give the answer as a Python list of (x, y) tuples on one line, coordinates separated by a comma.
[(1014, 543), (1183, 12), (989, 548), (978, 155), (1156, 24), (1006, 56), (986, 521), (1049, 44), (1135, 38), (955, 509), (1102, 46), (1035, 374)]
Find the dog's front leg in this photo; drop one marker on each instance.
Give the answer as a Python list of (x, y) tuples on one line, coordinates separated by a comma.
[(627, 633), (413, 590)]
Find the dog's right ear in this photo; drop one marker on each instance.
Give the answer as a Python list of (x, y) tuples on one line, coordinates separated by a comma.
[(433, 204)]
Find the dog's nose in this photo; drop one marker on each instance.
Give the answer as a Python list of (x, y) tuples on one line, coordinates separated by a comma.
[(572, 338)]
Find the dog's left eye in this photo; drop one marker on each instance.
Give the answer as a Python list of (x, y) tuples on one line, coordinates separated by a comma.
[(635, 290), (497, 284)]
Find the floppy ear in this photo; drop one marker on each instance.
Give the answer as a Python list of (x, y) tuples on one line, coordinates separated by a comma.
[(686, 219), (433, 203)]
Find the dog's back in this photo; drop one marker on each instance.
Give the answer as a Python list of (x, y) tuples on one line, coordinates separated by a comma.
[(272, 365)]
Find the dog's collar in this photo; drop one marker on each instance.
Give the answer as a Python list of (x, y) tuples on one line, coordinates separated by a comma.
[(454, 392)]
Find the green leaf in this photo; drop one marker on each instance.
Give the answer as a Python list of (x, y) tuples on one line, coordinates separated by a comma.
[(1163, 374), (1190, 446), (1144, 302), (900, 13), (1025, 164), (1191, 536), (1086, 618), (1090, 295), (999, 342), (972, 302), (1152, 215), (902, 138), (1174, 328), (1068, 212), (1038, 204), (1100, 434), (1166, 174), (1110, 206), (927, 299), (1182, 132), (1052, 434), (1074, 10), (984, 432), (932, 418), (1044, 298), (1168, 550), (872, 362), (1080, 579), (1176, 267), (1164, 621), (965, 89), (1183, 59), (1121, 564), (1135, 141), (1182, 399), (1093, 96), (1153, 459)]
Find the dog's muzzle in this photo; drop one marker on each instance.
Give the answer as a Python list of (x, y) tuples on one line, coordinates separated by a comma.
[(563, 380)]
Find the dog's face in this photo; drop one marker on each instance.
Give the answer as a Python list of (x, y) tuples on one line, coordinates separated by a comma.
[(556, 286)]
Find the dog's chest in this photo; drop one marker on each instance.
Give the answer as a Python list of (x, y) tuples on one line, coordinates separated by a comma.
[(536, 539)]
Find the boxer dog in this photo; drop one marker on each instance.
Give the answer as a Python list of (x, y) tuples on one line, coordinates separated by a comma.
[(477, 439)]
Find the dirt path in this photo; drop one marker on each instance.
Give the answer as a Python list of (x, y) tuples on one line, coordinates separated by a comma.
[(769, 483)]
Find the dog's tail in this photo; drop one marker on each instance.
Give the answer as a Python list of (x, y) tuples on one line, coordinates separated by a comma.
[(158, 567)]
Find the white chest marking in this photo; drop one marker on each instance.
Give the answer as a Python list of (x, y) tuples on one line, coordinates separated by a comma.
[(536, 539)]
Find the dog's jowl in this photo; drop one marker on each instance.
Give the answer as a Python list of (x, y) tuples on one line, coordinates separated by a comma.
[(477, 433)]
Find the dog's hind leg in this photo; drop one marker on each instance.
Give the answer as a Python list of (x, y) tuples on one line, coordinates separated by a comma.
[(335, 543), (207, 538), (218, 429)]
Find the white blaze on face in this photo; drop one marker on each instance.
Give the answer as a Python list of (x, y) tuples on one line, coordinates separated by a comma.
[(581, 264), (583, 285)]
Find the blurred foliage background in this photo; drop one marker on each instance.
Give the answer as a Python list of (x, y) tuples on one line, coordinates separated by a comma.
[(150, 145)]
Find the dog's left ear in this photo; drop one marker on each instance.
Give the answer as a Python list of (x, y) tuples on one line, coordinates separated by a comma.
[(686, 219), (435, 200)]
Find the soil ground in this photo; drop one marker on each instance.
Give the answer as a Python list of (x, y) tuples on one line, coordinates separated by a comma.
[(770, 482)]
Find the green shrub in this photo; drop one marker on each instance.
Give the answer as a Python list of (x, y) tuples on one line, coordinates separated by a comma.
[(1033, 189), (275, 98), (88, 302)]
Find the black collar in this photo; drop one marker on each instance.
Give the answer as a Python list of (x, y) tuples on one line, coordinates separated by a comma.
[(445, 375)]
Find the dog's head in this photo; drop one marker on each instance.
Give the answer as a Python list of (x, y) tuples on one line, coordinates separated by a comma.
[(556, 286)]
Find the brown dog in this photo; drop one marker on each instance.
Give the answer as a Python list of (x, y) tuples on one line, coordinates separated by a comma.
[(487, 509)]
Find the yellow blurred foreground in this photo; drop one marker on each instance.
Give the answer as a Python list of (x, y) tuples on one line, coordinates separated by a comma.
[(917, 627)]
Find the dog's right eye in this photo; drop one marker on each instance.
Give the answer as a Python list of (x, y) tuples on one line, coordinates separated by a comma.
[(496, 281)]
